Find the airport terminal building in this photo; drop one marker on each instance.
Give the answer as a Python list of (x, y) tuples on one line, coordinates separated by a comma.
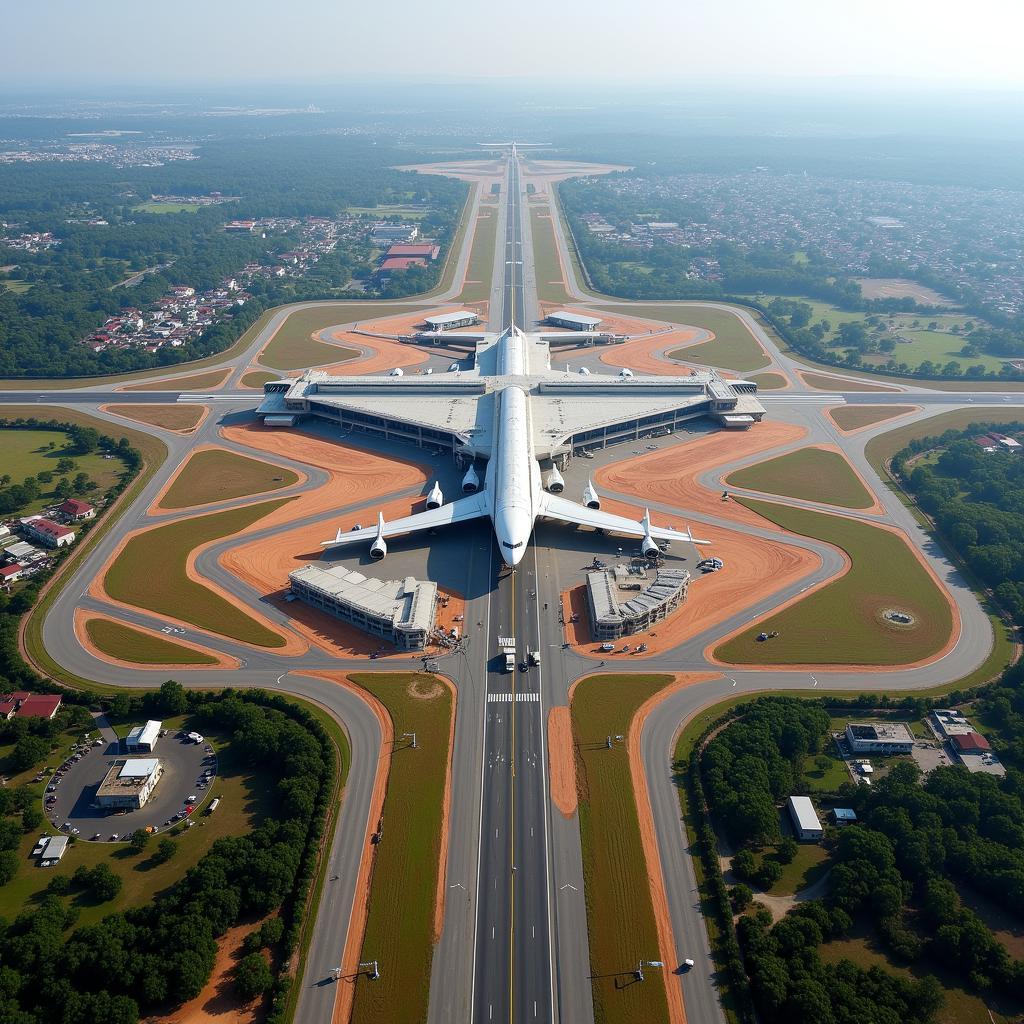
[(570, 411), (399, 611), (611, 620)]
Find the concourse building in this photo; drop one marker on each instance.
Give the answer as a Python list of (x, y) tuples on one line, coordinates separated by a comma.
[(611, 620), (399, 611)]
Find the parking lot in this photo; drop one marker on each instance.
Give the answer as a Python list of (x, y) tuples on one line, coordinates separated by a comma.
[(77, 779)]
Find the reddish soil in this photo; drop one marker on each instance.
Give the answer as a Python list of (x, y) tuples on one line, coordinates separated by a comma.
[(562, 761), (217, 1003)]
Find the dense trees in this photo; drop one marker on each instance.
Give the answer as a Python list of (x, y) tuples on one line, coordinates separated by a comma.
[(756, 762), (163, 953), (977, 500)]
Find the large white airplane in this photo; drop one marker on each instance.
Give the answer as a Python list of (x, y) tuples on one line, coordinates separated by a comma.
[(512, 496)]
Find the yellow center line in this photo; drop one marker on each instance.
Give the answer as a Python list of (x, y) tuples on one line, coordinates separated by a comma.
[(512, 832)]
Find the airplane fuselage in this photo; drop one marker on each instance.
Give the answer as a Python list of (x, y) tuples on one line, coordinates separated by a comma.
[(513, 476)]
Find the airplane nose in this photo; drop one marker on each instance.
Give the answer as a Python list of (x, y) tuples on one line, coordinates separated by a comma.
[(512, 528)]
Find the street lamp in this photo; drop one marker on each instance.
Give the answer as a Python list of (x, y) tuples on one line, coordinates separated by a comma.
[(410, 735), (639, 972), (373, 973)]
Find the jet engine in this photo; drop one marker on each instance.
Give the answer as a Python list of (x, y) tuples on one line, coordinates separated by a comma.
[(378, 549), (555, 482), (648, 545), (396, 372), (435, 499), (470, 482), (590, 498)]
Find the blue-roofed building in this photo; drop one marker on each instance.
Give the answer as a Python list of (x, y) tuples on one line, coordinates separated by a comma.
[(844, 815)]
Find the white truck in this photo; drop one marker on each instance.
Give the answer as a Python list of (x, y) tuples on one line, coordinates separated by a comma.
[(507, 647)]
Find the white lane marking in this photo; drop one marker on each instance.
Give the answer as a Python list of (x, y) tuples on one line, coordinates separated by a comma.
[(506, 698)]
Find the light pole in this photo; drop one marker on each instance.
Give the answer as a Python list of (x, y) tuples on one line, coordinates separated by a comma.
[(410, 735), (639, 972), (373, 973)]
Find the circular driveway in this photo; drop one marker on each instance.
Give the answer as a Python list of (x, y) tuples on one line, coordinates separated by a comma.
[(184, 763)]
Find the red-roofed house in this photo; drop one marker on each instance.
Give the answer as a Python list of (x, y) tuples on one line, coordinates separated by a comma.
[(402, 263), (11, 573), (38, 705), (970, 743), (52, 534), (425, 251), (78, 510)]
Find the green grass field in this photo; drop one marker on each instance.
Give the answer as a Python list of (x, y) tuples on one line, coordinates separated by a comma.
[(195, 382), (120, 641), (400, 924), (294, 348), (547, 267), (258, 378), (732, 348), (14, 285), (150, 573), (245, 798), (480, 268), (170, 417), (27, 452), (810, 474), (824, 773), (620, 917), (960, 1007), (768, 381), (842, 623), (853, 417), (806, 868), (217, 475), (167, 207)]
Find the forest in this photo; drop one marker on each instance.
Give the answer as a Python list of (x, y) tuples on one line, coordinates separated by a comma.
[(976, 499), (74, 286), (150, 958), (922, 852)]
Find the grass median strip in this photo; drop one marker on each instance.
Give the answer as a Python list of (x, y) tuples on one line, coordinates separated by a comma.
[(150, 573), (620, 918), (293, 347), (170, 417), (218, 475), (809, 474), (843, 623), (126, 644), (400, 924), (196, 382), (547, 266), (480, 270)]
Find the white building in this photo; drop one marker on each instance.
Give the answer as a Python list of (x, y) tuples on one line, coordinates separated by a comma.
[(573, 321), (143, 738), (805, 819), (449, 321), (879, 738), (401, 611), (611, 619), (53, 849), (128, 784)]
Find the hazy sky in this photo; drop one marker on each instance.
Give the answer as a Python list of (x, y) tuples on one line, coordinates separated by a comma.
[(231, 41)]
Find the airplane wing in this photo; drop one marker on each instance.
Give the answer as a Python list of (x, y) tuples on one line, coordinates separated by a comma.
[(474, 506), (569, 512)]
